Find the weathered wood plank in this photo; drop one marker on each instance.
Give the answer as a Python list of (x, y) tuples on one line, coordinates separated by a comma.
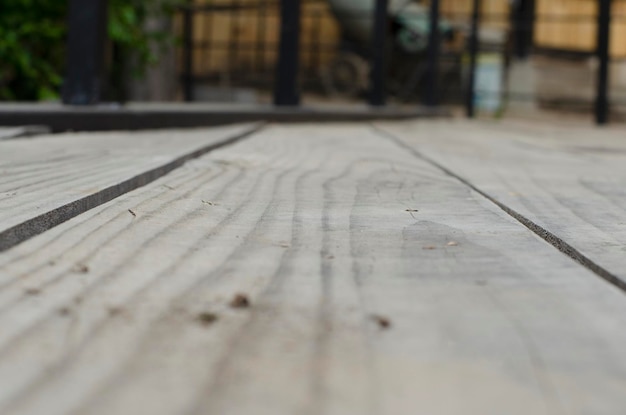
[(47, 181), (569, 182), (9, 133), (331, 232)]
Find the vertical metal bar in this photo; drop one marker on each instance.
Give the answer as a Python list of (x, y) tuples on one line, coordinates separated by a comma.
[(207, 40), (470, 103), (432, 90), (261, 36), (316, 27), (286, 83), (87, 34), (378, 56), (233, 43), (188, 53), (604, 31), (523, 22), (530, 9)]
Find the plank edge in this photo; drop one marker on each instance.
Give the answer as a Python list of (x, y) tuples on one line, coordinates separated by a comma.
[(37, 225)]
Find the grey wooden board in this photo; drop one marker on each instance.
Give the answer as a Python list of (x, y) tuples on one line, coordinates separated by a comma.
[(8, 133), (570, 181), (47, 180), (100, 314)]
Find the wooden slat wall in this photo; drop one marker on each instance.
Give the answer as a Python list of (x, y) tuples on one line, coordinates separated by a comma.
[(222, 27), (579, 34), (495, 12), (618, 32), (576, 34)]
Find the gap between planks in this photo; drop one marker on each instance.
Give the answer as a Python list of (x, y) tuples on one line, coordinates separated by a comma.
[(39, 224), (538, 230)]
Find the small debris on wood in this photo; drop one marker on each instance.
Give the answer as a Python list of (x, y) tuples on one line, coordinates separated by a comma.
[(32, 291), (168, 187), (65, 311), (207, 318), (80, 268), (132, 213), (383, 322), (114, 311), (330, 257), (284, 245), (411, 212), (52, 263), (240, 301), (206, 202), (452, 243), (179, 310), (429, 248)]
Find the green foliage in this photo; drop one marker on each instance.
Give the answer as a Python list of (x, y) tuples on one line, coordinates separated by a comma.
[(32, 34), (32, 42), (127, 29)]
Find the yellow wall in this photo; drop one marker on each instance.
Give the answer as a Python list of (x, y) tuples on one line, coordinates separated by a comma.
[(221, 27), (494, 12), (577, 35)]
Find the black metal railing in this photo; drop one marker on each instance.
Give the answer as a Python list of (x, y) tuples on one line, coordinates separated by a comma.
[(283, 58), (370, 61), (523, 20)]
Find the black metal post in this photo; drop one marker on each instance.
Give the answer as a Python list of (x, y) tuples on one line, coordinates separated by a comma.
[(188, 53), (432, 90), (206, 42), (87, 34), (261, 36), (473, 55), (233, 43), (523, 23), (604, 31), (378, 73), (286, 84), (316, 32)]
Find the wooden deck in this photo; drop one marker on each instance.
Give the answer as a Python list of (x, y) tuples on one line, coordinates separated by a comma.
[(427, 267)]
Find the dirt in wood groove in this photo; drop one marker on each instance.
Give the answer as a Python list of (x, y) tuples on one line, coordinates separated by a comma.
[(207, 318), (383, 322), (240, 301)]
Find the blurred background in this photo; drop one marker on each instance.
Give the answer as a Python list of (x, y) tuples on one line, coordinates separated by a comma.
[(531, 55)]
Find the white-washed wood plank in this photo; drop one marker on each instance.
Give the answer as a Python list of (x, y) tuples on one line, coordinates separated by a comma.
[(9, 133), (100, 314), (45, 181), (568, 182)]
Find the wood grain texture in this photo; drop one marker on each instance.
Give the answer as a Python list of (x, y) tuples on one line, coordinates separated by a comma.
[(570, 181), (49, 180), (377, 285), (10, 133)]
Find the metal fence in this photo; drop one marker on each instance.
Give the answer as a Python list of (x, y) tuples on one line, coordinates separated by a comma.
[(344, 65), (561, 65), (411, 54)]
